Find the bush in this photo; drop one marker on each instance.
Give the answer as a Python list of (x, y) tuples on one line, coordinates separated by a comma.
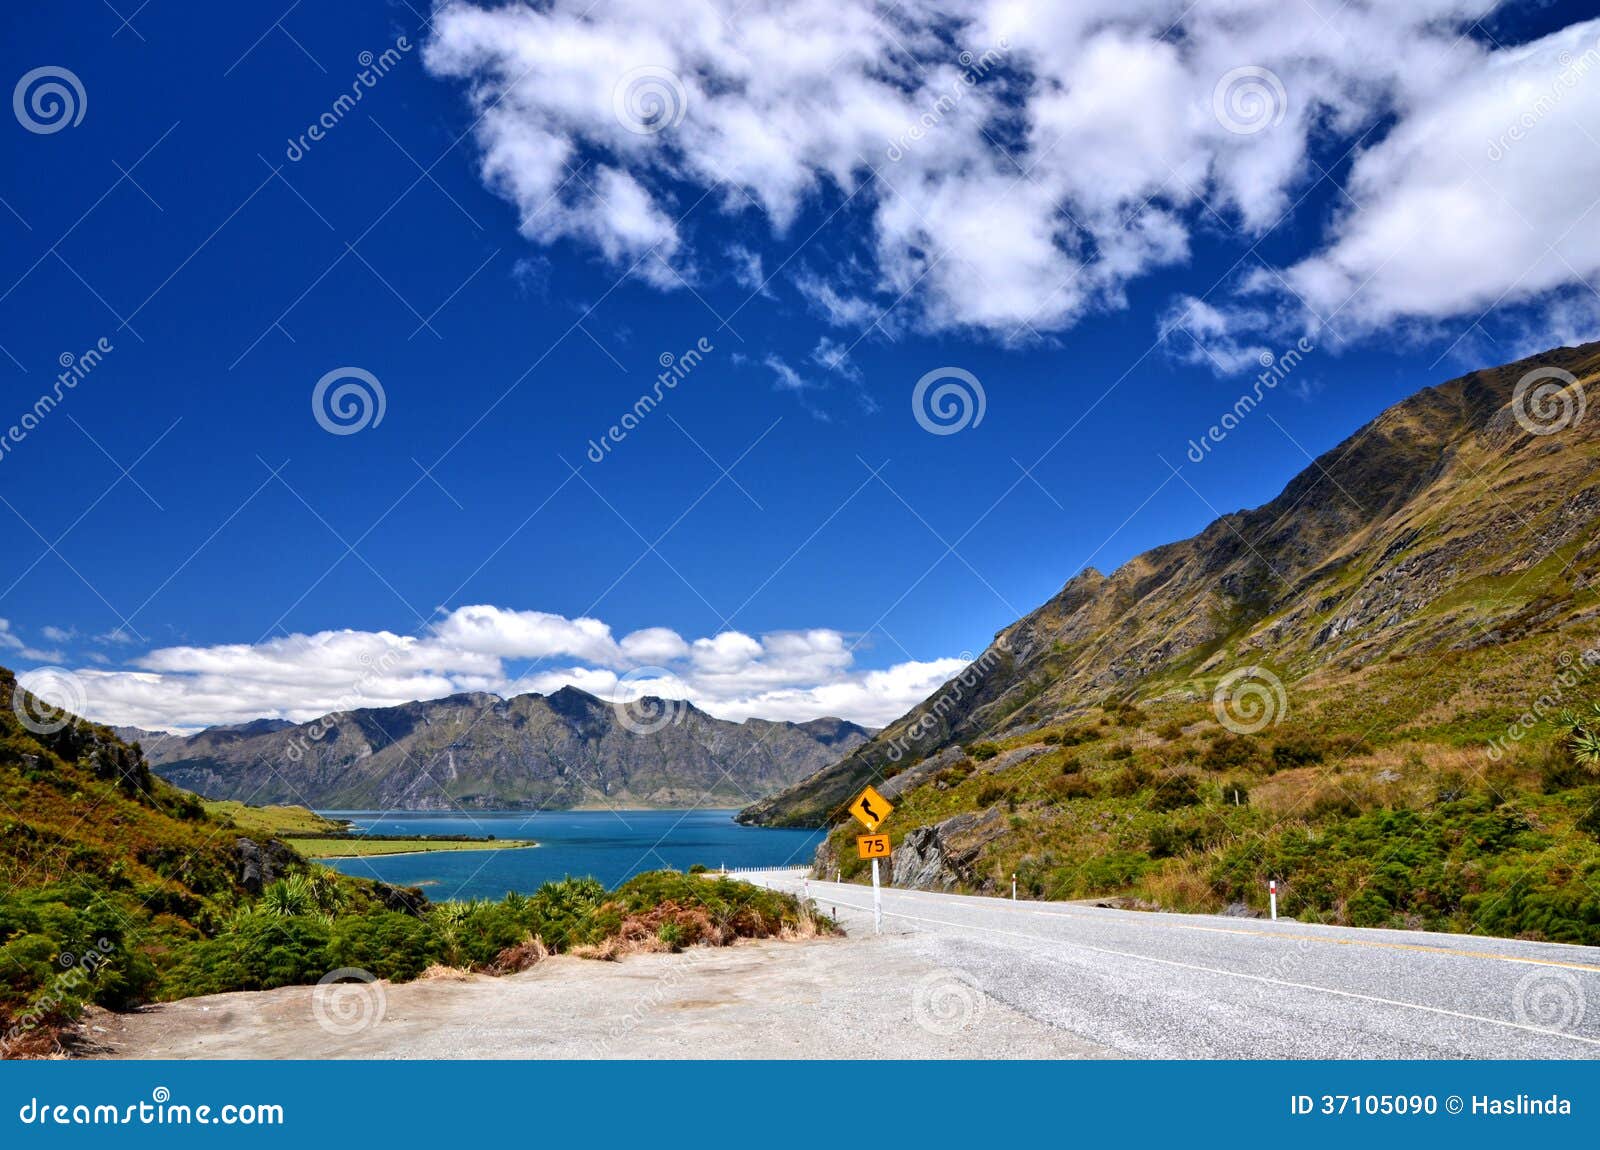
[(1174, 792), (1067, 787), (1297, 751), (1128, 782), (1231, 752), (1168, 839), (953, 775), (983, 752), (257, 952), (389, 945), (992, 791)]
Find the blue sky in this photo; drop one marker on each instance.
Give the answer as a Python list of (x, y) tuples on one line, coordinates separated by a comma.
[(501, 235)]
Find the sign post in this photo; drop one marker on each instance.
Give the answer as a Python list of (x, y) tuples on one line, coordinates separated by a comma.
[(877, 901), (870, 809), (1272, 889)]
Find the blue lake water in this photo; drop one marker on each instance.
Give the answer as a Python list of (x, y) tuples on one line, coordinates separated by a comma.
[(611, 846)]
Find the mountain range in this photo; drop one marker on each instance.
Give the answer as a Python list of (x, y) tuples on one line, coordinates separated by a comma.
[(563, 750)]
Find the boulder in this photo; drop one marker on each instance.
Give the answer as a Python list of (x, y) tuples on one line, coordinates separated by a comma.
[(260, 864), (941, 856)]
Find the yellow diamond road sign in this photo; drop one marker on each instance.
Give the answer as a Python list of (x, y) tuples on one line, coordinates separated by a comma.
[(871, 808)]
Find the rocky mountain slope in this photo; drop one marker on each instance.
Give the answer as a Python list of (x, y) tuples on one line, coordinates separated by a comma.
[(1444, 524), (1382, 690), (563, 750)]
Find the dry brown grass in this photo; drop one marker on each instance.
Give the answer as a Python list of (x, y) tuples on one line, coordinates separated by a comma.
[(1181, 887), (439, 972), (513, 959)]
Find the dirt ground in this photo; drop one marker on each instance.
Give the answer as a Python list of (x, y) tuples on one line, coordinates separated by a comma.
[(874, 997)]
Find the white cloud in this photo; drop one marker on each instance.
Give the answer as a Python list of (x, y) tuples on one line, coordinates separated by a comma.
[(59, 634), (795, 675), (835, 356), (1017, 164), (1483, 195), (10, 641), (784, 377), (745, 265)]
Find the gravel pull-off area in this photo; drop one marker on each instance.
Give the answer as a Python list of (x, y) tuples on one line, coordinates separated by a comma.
[(830, 998)]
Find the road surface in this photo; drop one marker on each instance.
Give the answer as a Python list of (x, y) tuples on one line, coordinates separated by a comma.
[(1197, 986)]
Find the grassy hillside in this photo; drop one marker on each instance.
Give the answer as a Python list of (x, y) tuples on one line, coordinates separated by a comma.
[(118, 888), (271, 821), (1322, 690)]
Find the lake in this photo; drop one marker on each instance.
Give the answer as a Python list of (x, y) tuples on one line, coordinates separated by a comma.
[(611, 846)]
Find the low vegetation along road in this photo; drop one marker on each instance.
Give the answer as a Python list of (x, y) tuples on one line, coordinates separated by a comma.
[(1190, 986)]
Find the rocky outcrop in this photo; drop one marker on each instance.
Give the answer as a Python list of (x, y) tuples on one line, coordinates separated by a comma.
[(940, 857), (260, 864)]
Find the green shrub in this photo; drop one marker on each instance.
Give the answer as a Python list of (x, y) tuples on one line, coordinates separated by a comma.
[(991, 791), (1067, 787), (1231, 752), (1128, 782), (1174, 792), (1297, 751), (389, 945)]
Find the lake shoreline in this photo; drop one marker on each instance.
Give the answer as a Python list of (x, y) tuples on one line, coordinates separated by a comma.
[(610, 846)]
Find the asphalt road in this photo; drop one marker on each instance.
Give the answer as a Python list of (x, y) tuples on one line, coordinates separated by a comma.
[(1196, 986)]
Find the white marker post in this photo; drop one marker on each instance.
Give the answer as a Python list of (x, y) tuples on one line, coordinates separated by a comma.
[(1013, 888), (877, 904), (1272, 890)]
